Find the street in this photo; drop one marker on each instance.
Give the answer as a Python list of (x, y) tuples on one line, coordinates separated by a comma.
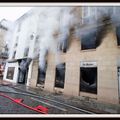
[(55, 105)]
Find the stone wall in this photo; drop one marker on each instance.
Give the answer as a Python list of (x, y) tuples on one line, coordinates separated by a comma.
[(106, 56)]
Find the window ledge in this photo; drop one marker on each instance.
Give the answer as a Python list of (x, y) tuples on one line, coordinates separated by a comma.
[(86, 94), (89, 50)]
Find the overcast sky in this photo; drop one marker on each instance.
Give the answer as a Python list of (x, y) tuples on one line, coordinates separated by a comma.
[(12, 13)]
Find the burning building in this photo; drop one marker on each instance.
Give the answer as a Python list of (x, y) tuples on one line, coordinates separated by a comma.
[(72, 50)]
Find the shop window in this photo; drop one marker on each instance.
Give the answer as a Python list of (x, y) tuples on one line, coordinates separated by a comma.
[(118, 34), (10, 73), (88, 79), (60, 75)]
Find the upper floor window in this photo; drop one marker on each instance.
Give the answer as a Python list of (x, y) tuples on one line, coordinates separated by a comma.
[(88, 41), (62, 46), (14, 53), (26, 52)]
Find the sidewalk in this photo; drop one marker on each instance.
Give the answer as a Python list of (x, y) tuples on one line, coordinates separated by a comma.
[(78, 101)]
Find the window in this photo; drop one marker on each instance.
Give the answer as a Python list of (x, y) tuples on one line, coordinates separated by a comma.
[(92, 38), (41, 75), (88, 41), (10, 73), (26, 52), (60, 75), (62, 46), (14, 54), (88, 79)]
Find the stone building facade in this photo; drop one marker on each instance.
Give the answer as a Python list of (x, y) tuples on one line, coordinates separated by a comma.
[(90, 70)]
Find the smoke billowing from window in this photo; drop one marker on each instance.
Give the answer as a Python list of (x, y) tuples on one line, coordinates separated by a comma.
[(53, 25), (95, 22)]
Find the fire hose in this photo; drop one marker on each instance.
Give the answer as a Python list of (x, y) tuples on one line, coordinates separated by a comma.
[(39, 108)]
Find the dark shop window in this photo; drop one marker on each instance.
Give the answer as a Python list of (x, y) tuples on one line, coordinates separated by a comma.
[(41, 75), (10, 73), (60, 75), (88, 80), (118, 34)]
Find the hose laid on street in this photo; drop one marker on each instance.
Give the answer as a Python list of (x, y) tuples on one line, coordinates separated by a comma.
[(39, 108), (36, 96)]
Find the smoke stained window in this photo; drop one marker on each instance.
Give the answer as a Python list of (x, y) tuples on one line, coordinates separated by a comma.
[(88, 41), (41, 75), (60, 75), (62, 46), (92, 38), (88, 79), (118, 34)]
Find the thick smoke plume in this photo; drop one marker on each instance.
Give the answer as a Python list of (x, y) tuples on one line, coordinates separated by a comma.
[(54, 24), (8, 35)]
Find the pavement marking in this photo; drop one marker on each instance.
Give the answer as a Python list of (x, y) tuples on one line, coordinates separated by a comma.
[(49, 104)]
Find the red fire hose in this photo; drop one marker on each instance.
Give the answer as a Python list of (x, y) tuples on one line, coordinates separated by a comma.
[(39, 108)]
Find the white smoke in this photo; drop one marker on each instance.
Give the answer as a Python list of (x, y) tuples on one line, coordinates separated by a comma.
[(8, 35), (53, 26)]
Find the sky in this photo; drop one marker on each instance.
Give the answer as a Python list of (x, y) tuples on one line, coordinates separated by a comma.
[(12, 13)]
